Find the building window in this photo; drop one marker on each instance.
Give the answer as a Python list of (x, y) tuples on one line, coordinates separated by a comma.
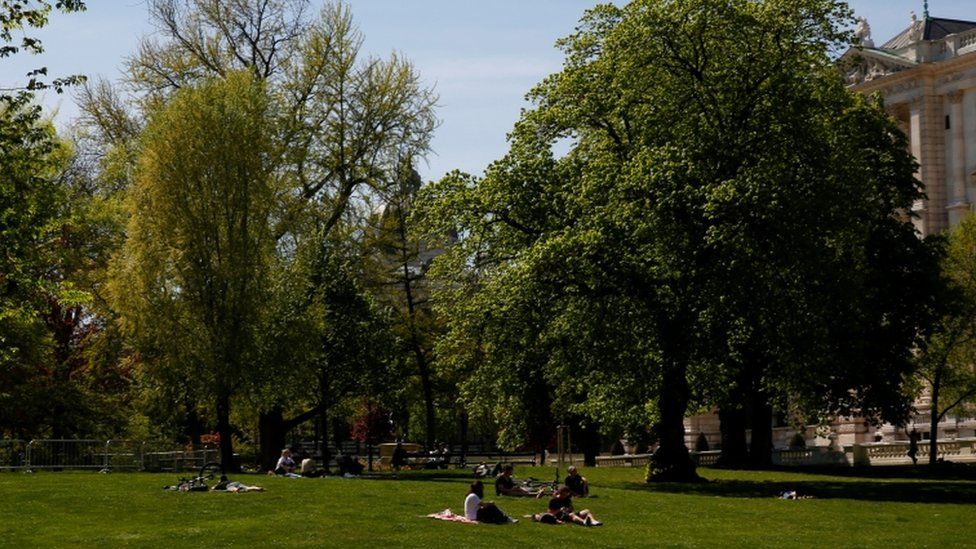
[(948, 125)]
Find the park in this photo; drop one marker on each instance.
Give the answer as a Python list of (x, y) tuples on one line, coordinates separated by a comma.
[(735, 508), (315, 272)]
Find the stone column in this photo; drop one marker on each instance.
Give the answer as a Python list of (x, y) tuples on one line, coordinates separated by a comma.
[(928, 137), (958, 206), (915, 146)]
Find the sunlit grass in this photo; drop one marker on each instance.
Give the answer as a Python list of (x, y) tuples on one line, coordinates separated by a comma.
[(736, 508)]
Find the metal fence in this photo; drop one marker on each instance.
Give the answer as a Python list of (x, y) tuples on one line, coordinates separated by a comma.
[(178, 460), (124, 455), (114, 455), (57, 454)]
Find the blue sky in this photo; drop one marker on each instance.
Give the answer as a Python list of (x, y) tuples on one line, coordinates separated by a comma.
[(481, 57)]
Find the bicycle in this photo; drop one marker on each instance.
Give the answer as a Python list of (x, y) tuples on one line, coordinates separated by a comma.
[(203, 481), (547, 486)]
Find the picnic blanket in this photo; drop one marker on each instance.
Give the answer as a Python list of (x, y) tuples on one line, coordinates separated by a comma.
[(449, 515)]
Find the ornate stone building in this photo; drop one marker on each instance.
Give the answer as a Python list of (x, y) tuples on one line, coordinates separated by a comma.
[(927, 76)]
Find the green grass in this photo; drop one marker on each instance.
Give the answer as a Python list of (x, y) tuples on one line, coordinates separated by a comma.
[(734, 509)]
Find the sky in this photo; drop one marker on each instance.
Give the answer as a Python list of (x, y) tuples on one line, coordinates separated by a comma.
[(481, 57)]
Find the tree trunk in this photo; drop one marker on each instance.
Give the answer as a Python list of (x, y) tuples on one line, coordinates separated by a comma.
[(271, 434), (423, 365), (224, 430), (761, 447), (934, 420), (273, 429), (463, 416), (590, 451), (735, 452), (425, 384), (671, 461), (193, 425), (324, 419)]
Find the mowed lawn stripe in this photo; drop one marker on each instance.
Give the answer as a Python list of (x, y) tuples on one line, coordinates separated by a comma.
[(734, 509)]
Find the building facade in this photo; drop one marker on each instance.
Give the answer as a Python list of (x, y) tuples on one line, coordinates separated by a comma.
[(927, 77)]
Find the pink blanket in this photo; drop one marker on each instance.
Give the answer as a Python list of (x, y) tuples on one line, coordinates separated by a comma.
[(447, 514)]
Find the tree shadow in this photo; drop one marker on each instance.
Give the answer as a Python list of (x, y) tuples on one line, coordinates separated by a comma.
[(901, 490)]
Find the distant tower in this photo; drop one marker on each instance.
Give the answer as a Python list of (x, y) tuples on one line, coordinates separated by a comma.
[(925, 10)]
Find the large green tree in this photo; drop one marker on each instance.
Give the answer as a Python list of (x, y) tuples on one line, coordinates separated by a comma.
[(344, 122), (723, 219), (398, 277), (51, 240), (191, 278)]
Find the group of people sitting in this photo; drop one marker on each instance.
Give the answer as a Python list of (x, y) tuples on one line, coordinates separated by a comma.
[(560, 510), (348, 466)]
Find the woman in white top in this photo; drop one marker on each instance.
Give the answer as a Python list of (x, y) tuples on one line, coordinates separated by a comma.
[(475, 509), (286, 465)]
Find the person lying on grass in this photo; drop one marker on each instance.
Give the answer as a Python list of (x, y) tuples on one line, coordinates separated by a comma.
[(483, 511), (505, 485), (561, 511), (226, 485)]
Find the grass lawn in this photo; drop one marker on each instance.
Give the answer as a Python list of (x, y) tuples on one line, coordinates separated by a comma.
[(734, 509)]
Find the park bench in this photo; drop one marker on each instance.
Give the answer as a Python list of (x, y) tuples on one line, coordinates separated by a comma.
[(624, 460)]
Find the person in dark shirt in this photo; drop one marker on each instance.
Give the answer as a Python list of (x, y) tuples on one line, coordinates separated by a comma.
[(505, 485), (561, 511), (577, 483), (399, 458)]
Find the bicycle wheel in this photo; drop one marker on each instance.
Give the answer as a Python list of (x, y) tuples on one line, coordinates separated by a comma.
[(211, 472)]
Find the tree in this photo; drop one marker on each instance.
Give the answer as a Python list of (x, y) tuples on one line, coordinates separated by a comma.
[(344, 123), (398, 277), (190, 280), (709, 141), (335, 339), (55, 238), (947, 364), (17, 17)]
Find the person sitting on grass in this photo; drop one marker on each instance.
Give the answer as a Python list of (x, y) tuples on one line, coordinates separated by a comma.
[(577, 483), (286, 465), (349, 466), (505, 485), (561, 511), (482, 511), (309, 470)]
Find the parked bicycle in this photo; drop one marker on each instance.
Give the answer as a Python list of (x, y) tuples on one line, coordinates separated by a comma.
[(208, 476)]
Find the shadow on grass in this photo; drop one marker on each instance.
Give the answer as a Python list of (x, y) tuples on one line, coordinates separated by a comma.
[(868, 489)]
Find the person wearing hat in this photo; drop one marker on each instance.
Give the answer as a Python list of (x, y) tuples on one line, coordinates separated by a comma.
[(577, 483)]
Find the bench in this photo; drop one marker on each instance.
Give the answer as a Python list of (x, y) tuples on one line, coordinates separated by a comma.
[(625, 460)]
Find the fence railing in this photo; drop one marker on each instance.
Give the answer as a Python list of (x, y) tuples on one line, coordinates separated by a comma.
[(896, 453), (66, 454), (124, 455), (179, 460)]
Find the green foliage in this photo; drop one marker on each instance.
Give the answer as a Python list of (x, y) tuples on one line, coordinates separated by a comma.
[(16, 16), (340, 126), (190, 282), (58, 353), (47, 388), (692, 239), (946, 364)]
